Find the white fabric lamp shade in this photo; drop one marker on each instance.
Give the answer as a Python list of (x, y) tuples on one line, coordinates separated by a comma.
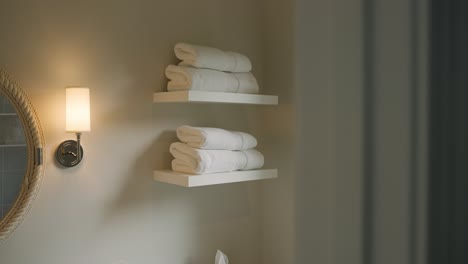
[(77, 109)]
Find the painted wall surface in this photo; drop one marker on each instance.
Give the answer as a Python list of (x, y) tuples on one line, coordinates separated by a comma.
[(329, 90), (391, 126), (399, 60), (310, 53), (360, 89), (109, 209), (278, 126)]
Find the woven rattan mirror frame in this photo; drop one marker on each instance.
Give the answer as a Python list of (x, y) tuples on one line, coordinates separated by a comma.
[(35, 142)]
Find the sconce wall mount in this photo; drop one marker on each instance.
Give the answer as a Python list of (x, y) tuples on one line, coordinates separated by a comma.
[(67, 153), (70, 152)]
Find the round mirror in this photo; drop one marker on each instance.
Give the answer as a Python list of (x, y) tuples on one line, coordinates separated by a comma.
[(21, 142)]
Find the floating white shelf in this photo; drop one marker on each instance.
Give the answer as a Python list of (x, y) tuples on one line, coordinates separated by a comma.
[(214, 97), (192, 180)]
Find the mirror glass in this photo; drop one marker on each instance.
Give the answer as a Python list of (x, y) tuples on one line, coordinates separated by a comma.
[(13, 155)]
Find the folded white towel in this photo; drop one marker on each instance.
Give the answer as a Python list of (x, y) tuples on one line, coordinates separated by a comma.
[(199, 161), (211, 58), (215, 138), (188, 78)]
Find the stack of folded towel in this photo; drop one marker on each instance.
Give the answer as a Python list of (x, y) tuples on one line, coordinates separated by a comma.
[(209, 150), (210, 69)]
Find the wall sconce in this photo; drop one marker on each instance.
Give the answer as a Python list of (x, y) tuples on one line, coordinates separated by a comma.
[(70, 153)]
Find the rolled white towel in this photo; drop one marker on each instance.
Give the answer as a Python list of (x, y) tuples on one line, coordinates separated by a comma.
[(215, 138), (199, 161), (211, 58), (187, 78)]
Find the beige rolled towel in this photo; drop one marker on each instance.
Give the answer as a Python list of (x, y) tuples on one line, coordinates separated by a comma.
[(183, 78), (215, 138), (211, 58), (200, 161)]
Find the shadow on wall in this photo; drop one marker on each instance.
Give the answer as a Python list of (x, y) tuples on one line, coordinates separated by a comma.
[(205, 208), (127, 198)]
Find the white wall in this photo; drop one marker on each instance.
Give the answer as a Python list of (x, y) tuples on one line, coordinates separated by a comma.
[(329, 82), (313, 59), (400, 88), (353, 70), (310, 53), (391, 126), (108, 208), (278, 127)]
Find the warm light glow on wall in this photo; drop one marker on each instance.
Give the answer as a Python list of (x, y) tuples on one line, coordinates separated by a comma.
[(77, 109)]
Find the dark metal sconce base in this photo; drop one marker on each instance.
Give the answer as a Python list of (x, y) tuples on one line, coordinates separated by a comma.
[(67, 154)]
